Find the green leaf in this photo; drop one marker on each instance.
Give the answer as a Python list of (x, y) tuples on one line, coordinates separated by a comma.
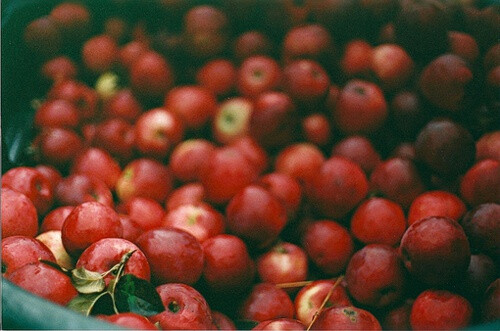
[(137, 295), (85, 303), (86, 281)]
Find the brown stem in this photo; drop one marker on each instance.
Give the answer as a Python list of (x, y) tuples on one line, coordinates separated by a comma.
[(294, 284), (316, 314)]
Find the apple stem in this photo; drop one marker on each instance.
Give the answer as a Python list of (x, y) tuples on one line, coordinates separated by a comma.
[(316, 314), (294, 284)]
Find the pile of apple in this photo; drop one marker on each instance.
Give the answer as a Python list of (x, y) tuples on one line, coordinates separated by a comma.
[(263, 164)]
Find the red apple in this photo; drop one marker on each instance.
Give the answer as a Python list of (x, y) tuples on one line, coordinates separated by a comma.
[(19, 215)]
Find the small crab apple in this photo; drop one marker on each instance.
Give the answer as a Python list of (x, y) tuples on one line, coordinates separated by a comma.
[(273, 118), (392, 65), (228, 266), (251, 43), (31, 183), (311, 41), (356, 60), (378, 220), (300, 161), (375, 276), (151, 75), (258, 74), (129, 320), (147, 213), (483, 229), (73, 19), (316, 129), (310, 298), (81, 95), (43, 36), (44, 281), (280, 324), (436, 203), (218, 75), (99, 53), (57, 146), (59, 113), (88, 223), (53, 240), (222, 321), (55, 218), (255, 215), (346, 318), (188, 157), (306, 81), (329, 245), (266, 301), (435, 250), (122, 104), (19, 215), (284, 187), (195, 105), (190, 193), (174, 255), (157, 131), (116, 136), (79, 188), (253, 152), (360, 150), (283, 263), (232, 119), (463, 45), (102, 255), (488, 146), (225, 174), (398, 179), (361, 108), (97, 163), (18, 251), (185, 309), (201, 220), (438, 309), (146, 178), (337, 187), (481, 183)]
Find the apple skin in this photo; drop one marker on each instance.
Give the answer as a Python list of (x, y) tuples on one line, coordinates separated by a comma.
[(356, 60), (218, 75), (88, 223), (19, 215), (58, 69), (129, 320), (188, 157), (479, 185), (311, 41), (251, 43), (232, 119), (361, 108), (346, 318), (443, 82), (78, 188), (174, 255), (145, 212), (195, 105), (185, 309), (57, 113), (392, 65), (18, 251), (306, 81), (57, 146), (44, 281), (280, 324), (97, 163), (488, 146), (285, 188), (300, 161), (283, 263), (375, 276), (309, 299), (151, 76), (438, 309), (222, 321), (446, 254), (107, 252), (258, 74), (328, 245), (157, 131), (99, 53), (53, 240), (436, 203), (329, 186), (225, 174), (31, 183), (144, 177), (256, 216), (360, 150), (190, 193), (201, 220), (123, 104), (264, 302), (228, 266)]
